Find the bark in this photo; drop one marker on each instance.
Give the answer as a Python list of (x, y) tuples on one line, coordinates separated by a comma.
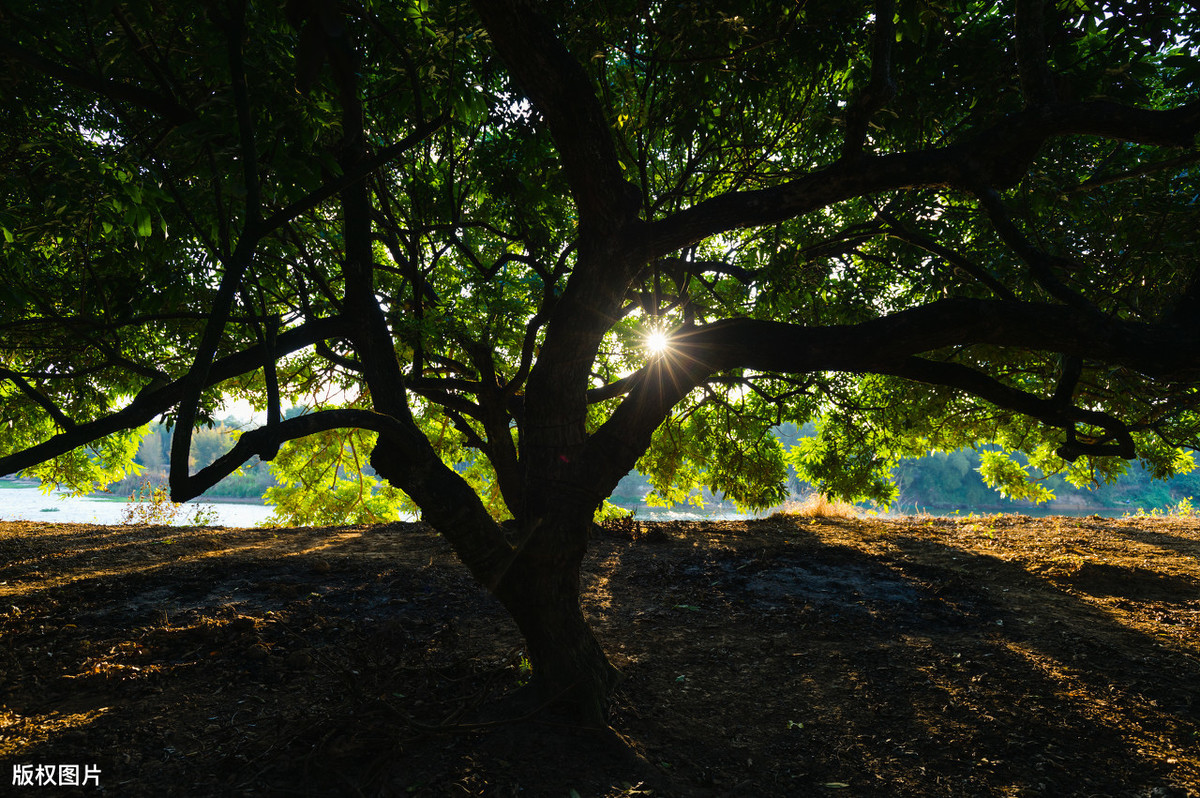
[(571, 673), (557, 84)]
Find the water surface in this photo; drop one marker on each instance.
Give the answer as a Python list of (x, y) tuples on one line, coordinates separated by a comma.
[(24, 501)]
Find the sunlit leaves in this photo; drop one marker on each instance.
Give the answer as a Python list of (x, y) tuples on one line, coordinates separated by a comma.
[(1011, 478), (321, 482), (716, 447), (94, 467), (844, 464)]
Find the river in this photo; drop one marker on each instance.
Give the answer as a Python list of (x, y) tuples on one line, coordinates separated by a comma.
[(21, 500)]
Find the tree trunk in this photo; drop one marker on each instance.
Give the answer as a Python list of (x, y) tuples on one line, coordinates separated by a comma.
[(571, 672)]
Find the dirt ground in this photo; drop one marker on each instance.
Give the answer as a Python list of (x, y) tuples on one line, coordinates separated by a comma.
[(993, 656)]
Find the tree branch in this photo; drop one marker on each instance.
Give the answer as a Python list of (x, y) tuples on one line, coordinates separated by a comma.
[(1040, 263), (165, 107), (360, 171), (1098, 181), (881, 89), (884, 346), (560, 89), (1037, 81), (245, 119), (695, 268), (402, 454), (955, 259), (265, 441), (616, 388), (1072, 370), (998, 157), (39, 398), (1052, 412), (151, 403), (198, 376)]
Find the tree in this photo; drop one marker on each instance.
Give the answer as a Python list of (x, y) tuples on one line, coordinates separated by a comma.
[(450, 228)]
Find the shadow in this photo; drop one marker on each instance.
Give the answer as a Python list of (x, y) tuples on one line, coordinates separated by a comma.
[(772, 658), (207, 679), (1139, 584), (75, 555), (783, 663), (1177, 544)]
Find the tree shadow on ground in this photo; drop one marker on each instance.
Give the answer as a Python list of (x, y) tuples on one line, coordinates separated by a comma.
[(764, 658), (928, 669), (1176, 544)]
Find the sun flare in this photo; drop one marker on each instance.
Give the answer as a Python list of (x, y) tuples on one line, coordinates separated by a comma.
[(657, 342)]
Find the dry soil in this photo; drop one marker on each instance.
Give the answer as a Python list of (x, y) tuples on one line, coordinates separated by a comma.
[(986, 656)]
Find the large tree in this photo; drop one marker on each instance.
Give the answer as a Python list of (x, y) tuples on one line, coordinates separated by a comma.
[(452, 231)]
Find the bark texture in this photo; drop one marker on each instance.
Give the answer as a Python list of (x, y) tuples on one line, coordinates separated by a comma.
[(541, 589)]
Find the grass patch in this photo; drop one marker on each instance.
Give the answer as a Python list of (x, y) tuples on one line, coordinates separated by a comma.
[(817, 505)]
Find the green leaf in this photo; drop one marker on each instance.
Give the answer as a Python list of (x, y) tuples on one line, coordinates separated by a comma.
[(1011, 479), (144, 222)]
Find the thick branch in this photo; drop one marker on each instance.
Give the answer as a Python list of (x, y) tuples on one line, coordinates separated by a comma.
[(1040, 263), (881, 89), (1072, 370), (1049, 411), (165, 107), (151, 403), (616, 388), (560, 89), (884, 346), (998, 157), (402, 454), (265, 441), (235, 265), (39, 398), (198, 376), (358, 172), (1037, 81), (245, 119)]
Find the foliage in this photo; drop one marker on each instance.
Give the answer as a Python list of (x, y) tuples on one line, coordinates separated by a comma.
[(1185, 508), (94, 467), (323, 485), (78, 192), (954, 480), (727, 451)]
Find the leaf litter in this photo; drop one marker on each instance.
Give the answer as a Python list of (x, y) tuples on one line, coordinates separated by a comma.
[(996, 656)]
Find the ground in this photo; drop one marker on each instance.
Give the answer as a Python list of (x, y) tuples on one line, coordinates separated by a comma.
[(986, 656)]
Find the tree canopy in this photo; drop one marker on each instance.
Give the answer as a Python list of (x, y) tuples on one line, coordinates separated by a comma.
[(452, 230)]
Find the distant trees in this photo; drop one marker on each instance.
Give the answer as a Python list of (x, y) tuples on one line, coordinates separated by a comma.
[(939, 480), (208, 443), (944, 480)]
